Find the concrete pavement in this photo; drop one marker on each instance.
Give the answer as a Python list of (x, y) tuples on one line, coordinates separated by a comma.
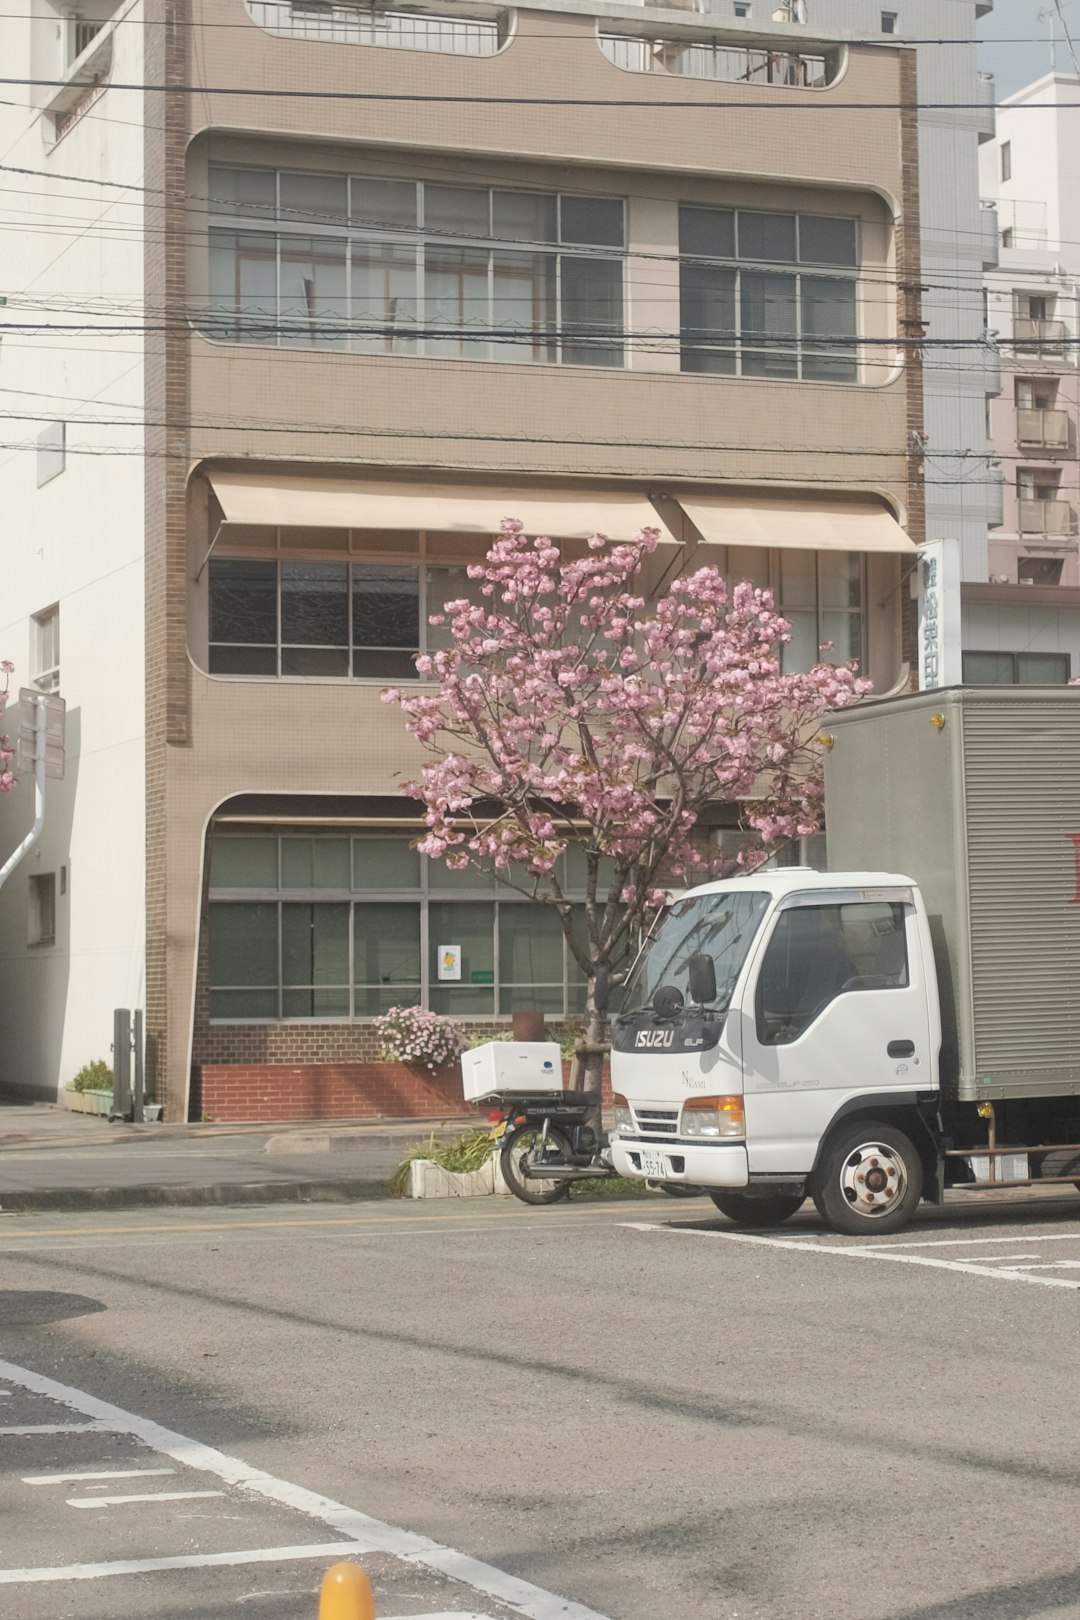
[(639, 1410), (53, 1159)]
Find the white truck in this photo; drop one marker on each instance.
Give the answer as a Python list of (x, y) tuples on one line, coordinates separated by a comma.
[(908, 1020)]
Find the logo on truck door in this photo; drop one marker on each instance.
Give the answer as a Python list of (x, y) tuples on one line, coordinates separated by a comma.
[(659, 1037), (1074, 839)]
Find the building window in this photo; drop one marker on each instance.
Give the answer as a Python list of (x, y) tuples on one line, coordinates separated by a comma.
[(821, 594), (888, 22), (297, 617), (326, 926), (45, 652), (1015, 669), (51, 452), (377, 266), (1006, 160), (742, 8), (749, 307), (42, 920), (1040, 570), (1008, 237)]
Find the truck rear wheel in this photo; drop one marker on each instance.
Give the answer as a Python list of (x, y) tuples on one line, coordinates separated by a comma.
[(746, 1211), (869, 1178)]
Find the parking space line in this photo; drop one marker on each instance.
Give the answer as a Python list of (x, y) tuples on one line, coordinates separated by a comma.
[(141, 1496), (970, 1243), (364, 1533), (847, 1251), (142, 1566), (57, 1428), (100, 1473)]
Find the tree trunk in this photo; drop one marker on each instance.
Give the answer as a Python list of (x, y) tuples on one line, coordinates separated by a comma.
[(588, 1068)]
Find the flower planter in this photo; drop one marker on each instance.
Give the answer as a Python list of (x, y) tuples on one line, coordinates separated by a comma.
[(429, 1180), (88, 1102)]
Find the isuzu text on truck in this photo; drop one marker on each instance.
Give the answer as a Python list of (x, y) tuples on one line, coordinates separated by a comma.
[(906, 1021)]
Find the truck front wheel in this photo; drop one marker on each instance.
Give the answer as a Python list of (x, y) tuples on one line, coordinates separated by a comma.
[(745, 1211), (869, 1178)]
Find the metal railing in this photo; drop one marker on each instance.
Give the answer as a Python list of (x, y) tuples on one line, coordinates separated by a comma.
[(335, 24), (1041, 333), (1047, 428), (1046, 517), (82, 32), (708, 59)]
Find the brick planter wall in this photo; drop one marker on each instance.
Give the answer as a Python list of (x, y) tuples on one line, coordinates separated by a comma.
[(235, 1093)]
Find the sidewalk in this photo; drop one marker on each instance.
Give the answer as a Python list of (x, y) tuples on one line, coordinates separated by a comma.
[(51, 1159)]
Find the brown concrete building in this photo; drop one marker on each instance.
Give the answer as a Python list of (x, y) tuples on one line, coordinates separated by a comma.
[(593, 266)]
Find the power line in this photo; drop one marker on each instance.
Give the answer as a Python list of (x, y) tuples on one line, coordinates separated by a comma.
[(645, 104)]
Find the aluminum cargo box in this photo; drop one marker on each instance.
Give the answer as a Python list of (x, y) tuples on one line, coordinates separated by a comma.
[(983, 811)]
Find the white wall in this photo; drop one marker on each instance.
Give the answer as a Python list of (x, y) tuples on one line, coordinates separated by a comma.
[(72, 254)]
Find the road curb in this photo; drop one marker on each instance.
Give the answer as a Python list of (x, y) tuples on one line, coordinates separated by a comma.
[(149, 1197)]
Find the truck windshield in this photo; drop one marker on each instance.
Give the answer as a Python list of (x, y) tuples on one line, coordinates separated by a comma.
[(718, 925)]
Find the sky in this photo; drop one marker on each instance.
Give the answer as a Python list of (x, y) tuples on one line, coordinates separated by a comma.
[(1016, 65)]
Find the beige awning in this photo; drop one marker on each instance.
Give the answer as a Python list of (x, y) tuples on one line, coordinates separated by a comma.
[(807, 524), (325, 503)]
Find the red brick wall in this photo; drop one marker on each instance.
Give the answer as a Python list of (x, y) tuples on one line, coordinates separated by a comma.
[(242, 1092)]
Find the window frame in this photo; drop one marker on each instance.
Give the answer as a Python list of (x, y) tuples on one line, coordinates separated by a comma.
[(41, 918), (427, 557), (46, 630), (423, 895), (799, 270), (549, 343), (1062, 660)]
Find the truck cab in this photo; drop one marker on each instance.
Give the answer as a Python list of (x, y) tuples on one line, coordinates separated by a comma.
[(780, 1036)]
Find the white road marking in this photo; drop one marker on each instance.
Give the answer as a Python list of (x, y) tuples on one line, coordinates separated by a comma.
[(859, 1252), (142, 1496), (102, 1473), (971, 1243), (365, 1533), (142, 1566), (58, 1428)]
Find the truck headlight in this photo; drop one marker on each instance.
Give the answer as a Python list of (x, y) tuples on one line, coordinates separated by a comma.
[(624, 1119), (713, 1117)]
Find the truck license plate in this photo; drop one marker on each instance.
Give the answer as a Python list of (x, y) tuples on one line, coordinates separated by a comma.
[(654, 1165)]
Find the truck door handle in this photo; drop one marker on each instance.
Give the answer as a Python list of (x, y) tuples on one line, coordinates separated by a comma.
[(901, 1049)]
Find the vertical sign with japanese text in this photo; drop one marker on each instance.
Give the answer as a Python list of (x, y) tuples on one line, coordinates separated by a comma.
[(940, 659)]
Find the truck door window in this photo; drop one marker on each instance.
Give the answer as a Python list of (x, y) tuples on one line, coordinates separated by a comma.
[(820, 952)]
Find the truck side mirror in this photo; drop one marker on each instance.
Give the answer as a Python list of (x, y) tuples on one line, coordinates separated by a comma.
[(702, 979)]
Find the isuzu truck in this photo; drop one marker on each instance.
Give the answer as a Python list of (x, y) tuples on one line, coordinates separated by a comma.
[(904, 1022)]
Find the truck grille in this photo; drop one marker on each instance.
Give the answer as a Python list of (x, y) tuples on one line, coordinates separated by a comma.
[(658, 1121)]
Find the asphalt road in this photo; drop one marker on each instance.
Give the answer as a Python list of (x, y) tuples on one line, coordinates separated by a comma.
[(626, 1405)]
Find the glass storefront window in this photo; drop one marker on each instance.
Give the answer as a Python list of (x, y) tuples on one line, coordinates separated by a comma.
[(369, 935)]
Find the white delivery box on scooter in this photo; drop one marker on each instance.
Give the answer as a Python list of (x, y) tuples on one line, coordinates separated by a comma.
[(511, 1066)]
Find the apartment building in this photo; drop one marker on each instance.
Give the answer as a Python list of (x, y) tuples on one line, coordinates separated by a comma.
[(289, 331), (1023, 625)]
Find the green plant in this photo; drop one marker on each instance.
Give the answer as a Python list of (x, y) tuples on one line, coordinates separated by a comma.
[(461, 1154), (479, 1037), (96, 1076)]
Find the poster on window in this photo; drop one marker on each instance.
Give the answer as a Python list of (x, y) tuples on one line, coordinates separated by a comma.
[(449, 961)]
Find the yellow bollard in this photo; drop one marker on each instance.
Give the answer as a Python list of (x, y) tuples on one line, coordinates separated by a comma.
[(346, 1594)]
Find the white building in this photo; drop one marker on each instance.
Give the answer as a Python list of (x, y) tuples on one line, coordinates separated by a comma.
[(73, 210), (1024, 623)]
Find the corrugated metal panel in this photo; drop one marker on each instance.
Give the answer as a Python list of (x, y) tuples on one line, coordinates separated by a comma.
[(1022, 771)]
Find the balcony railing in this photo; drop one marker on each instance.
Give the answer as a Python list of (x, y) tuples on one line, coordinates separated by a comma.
[(1047, 517), (1050, 429), (335, 24), (1040, 334), (986, 116), (712, 59)]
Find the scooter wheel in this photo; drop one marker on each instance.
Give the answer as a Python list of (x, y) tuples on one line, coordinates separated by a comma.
[(528, 1147)]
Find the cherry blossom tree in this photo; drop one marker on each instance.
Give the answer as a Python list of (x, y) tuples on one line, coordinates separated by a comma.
[(569, 710)]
